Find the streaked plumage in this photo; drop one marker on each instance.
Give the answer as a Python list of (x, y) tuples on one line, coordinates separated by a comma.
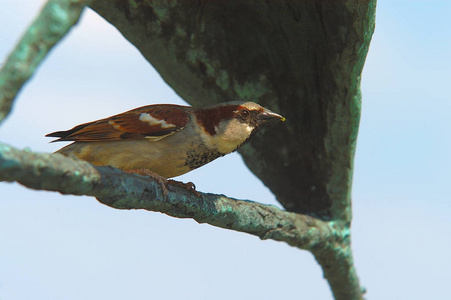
[(167, 139)]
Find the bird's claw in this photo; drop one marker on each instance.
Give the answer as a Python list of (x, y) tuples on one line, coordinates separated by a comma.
[(160, 179), (190, 187)]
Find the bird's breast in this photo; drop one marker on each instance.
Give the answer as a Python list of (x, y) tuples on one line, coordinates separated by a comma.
[(199, 156)]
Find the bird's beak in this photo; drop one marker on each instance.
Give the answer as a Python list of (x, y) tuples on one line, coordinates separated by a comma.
[(268, 117)]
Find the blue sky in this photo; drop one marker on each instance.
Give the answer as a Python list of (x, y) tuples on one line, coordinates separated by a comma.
[(68, 247)]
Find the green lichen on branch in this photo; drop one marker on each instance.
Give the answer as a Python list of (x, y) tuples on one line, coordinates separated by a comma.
[(301, 58), (306, 61), (121, 190), (328, 241), (54, 21)]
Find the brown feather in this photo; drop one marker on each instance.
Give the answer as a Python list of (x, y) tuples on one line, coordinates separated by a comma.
[(158, 121), (210, 117)]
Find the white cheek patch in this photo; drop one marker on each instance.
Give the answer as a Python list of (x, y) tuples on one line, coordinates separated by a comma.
[(221, 128), (154, 122), (230, 135), (250, 128)]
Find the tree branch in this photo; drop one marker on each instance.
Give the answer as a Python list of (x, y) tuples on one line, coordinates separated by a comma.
[(121, 190), (54, 21), (316, 86), (328, 241), (301, 58)]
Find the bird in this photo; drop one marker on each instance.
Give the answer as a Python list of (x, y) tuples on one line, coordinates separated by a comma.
[(166, 140)]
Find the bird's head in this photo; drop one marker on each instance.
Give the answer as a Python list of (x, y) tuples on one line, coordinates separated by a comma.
[(228, 125)]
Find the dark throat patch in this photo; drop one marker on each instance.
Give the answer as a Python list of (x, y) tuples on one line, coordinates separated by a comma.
[(198, 157)]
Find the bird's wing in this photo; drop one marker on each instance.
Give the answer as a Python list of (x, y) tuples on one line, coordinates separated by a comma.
[(152, 122)]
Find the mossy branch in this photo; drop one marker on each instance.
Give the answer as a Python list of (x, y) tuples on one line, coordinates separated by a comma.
[(337, 123), (54, 21), (328, 241), (121, 190)]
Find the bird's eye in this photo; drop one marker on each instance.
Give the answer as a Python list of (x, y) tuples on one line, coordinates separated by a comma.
[(245, 114)]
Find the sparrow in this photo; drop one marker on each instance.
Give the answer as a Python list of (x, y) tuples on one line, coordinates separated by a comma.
[(165, 139)]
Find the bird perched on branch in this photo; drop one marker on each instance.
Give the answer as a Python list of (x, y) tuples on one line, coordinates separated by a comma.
[(169, 140)]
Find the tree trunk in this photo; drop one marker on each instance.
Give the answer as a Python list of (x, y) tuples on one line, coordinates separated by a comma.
[(302, 59)]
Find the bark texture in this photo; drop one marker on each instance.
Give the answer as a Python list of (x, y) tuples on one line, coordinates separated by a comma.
[(328, 241), (302, 59), (55, 20), (115, 188)]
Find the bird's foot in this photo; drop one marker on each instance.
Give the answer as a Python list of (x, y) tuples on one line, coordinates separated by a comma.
[(160, 179), (189, 186)]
